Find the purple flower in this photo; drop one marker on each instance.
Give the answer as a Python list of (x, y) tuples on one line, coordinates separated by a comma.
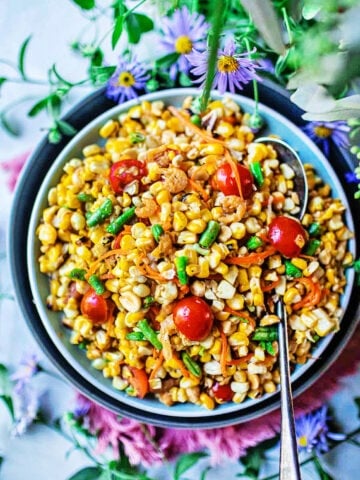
[(313, 432), (28, 368), (127, 80), (26, 406), (322, 132), (183, 32), (351, 177), (232, 69)]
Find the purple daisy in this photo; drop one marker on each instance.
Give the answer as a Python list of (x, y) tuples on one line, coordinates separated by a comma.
[(127, 80), (183, 32), (29, 366), (322, 132), (312, 431), (232, 69)]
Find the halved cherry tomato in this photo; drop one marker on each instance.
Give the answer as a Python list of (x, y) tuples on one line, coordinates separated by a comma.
[(222, 393), (124, 172), (95, 307), (139, 380), (224, 181), (287, 235), (193, 317)]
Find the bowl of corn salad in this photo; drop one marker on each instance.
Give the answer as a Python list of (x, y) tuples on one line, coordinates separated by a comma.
[(160, 242)]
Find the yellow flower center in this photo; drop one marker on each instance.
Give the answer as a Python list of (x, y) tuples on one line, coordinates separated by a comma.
[(126, 79), (322, 132), (227, 64), (302, 441), (183, 45)]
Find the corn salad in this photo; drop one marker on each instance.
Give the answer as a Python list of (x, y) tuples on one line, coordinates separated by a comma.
[(160, 247)]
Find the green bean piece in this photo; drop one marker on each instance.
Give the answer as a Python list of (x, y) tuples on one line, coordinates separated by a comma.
[(196, 120), (103, 212), (77, 273), (191, 365), (291, 270), (96, 284), (210, 234), (148, 301), (135, 336), (254, 242), (268, 347), (157, 230), (312, 246), (119, 222), (85, 197), (314, 229), (265, 334), (149, 334), (180, 264), (136, 137), (256, 170), (201, 251)]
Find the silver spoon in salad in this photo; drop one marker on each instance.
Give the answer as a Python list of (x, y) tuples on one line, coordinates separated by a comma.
[(289, 460)]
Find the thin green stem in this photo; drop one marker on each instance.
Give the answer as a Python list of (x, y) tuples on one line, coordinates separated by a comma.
[(254, 82), (214, 41), (287, 25)]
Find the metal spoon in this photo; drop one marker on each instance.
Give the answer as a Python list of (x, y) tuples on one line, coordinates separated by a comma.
[(289, 460)]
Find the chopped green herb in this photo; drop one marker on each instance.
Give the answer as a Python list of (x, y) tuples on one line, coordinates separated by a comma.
[(77, 273), (266, 334), (149, 334), (312, 246), (191, 365), (291, 270), (136, 137), (201, 251), (149, 300), (256, 170), (85, 197), (254, 242), (314, 229), (157, 230)]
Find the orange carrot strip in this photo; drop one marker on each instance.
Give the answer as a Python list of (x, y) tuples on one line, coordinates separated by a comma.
[(268, 287), (239, 361), (202, 133), (198, 188), (224, 353), (126, 229), (180, 365), (313, 296), (157, 365), (235, 172), (110, 253), (252, 258), (241, 314)]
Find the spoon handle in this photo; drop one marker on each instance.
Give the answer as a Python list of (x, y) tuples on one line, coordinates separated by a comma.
[(289, 461)]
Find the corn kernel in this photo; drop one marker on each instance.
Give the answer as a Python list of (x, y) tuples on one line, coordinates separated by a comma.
[(206, 401), (162, 197), (197, 225), (212, 149), (179, 221), (299, 263)]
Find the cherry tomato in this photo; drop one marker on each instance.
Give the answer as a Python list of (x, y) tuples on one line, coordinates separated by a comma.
[(139, 380), (222, 393), (95, 307), (124, 172), (193, 318), (224, 181), (287, 235)]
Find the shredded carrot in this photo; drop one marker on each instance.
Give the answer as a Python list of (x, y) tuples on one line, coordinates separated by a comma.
[(202, 133), (110, 253), (313, 296), (252, 258), (198, 188), (107, 276), (241, 314), (239, 361), (235, 172), (180, 365), (224, 353), (269, 286), (126, 229), (157, 365)]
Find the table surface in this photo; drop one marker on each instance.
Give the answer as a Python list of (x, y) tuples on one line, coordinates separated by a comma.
[(41, 453)]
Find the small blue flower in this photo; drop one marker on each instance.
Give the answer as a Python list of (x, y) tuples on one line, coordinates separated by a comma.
[(313, 433), (28, 367), (183, 32), (232, 69), (127, 81), (322, 132)]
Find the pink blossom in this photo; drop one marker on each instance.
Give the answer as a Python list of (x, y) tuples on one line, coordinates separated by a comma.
[(13, 167)]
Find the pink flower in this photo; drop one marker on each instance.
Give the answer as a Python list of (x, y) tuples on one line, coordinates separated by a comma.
[(13, 167)]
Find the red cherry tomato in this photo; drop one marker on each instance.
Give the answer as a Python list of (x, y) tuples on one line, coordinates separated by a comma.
[(193, 318), (95, 307), (222, 393), (287, 235), (139, 380), (224, 181), (124, 172)]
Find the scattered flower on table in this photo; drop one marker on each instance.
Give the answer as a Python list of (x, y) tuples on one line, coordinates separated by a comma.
[(322, 132), (26, 407), (128, 80), (183, 32), (28, 367), (233, 70), (313, 432), (14, 167)]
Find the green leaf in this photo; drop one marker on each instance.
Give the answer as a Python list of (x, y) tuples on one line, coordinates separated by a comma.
[(2, 80), (117, 31), (66, 128), (38, 107), (187, 461), (263, 15), (85, 4), (323, 475), (136, 24), (184, 80), (87, 473), (7, 400), (21, 59), (167, 60), (101, 74), (7, 126), (59, 77), (54, 135)]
